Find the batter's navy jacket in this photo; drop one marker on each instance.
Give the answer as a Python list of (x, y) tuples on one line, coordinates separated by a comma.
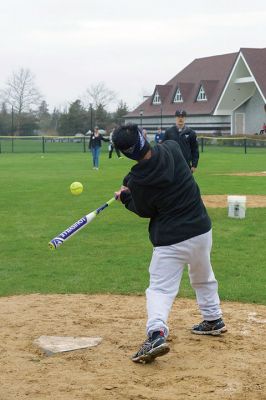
[(187, 140), (163, 189)]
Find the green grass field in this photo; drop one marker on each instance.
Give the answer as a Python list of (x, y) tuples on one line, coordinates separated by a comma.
[(112, 253)]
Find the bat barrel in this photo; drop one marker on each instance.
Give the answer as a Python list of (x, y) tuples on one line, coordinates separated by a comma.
[(60, 239)]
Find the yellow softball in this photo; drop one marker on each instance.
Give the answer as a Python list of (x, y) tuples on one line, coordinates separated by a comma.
[(76, 188)]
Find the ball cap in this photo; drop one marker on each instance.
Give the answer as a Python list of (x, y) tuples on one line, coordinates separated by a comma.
[(130, 140), (180, 113)]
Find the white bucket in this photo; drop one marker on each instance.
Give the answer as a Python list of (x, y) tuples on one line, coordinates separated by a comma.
[(236, 206)]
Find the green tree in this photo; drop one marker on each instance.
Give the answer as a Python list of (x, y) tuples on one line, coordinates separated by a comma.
[(5, 120), (119, 114), (55, 118), (76, 120), (62, 124), (44, 116), (102, 117), (28, 124)]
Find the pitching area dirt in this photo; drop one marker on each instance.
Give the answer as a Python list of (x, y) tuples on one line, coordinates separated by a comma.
[(263, 173), (231, 366), (220, 200)]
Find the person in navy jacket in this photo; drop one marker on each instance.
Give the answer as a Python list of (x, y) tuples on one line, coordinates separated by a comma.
[(186, 138)]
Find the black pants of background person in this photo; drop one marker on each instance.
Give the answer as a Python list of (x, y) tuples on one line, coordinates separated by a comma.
[(111, 149)]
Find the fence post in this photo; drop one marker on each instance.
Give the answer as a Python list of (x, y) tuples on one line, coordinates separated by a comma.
[(245, 145), (202, 144), (84, 145), (12, 144), (43, 145)]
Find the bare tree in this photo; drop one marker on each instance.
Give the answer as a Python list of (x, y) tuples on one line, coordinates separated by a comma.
[(21, 92), (100, 95)]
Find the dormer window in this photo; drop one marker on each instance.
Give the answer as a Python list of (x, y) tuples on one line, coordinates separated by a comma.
[(156, 98), (201, 95), (178, 96)]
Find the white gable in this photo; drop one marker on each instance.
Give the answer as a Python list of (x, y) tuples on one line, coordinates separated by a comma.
[(201, 94), (156, 98), (178, 96), (240, 87)]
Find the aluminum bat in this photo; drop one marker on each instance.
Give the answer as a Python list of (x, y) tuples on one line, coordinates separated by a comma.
[(77, 226)]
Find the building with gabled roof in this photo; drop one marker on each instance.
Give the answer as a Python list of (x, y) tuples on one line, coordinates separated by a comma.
[(224, 94)]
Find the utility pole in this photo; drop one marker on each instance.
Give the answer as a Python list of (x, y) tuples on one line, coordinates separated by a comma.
[(12, 121), (91, 115), (141, 115)]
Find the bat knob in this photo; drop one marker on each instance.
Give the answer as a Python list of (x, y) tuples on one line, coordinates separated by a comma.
[(56, 242), (51, 246)]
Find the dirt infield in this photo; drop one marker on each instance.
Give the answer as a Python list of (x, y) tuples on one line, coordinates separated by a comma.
[(228, 367), (263, 173), (220, 201)]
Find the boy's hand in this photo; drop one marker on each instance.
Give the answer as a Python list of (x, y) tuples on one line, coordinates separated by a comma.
[(122, 189)]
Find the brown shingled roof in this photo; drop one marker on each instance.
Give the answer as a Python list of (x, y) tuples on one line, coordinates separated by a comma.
[(186, 89), (211, 72), (163, 91), (210, 87)]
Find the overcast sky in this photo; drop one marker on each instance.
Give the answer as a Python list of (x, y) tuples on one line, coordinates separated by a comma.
[(129, 45)]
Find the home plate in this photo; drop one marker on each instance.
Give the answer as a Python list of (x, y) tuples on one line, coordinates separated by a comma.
[(58, 344)]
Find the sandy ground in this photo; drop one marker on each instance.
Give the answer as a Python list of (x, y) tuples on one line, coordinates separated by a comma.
[(263, 173), (231, 366), (220, 200)]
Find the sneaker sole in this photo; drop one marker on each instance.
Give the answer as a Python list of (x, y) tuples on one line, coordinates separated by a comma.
[(154, 353), (217, 332)]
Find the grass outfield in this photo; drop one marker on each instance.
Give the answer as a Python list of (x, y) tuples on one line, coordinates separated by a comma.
[(113, 253)]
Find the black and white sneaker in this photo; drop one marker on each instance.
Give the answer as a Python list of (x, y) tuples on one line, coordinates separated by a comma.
[(213, 328), (154, 346)]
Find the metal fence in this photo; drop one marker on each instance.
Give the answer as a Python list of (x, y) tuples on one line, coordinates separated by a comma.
[(233, 143), (43, 144), (64, 144)]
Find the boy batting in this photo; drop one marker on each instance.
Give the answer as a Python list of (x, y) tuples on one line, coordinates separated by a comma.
[(160, 186)]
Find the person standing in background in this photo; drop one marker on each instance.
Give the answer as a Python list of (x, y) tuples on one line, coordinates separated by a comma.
[(263, 129), (186, 138), (145, 134), (158, 138), (95, 145), (111, 146)]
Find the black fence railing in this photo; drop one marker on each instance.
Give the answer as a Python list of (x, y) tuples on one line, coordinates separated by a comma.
[(233, 142), (57, 144), (44, 144)]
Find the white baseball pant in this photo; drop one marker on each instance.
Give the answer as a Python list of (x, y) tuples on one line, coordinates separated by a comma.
[(166, 269)]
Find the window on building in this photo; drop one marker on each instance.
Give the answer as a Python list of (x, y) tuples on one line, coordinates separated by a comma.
[(156, 98), (178, 96), (201, 95)]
